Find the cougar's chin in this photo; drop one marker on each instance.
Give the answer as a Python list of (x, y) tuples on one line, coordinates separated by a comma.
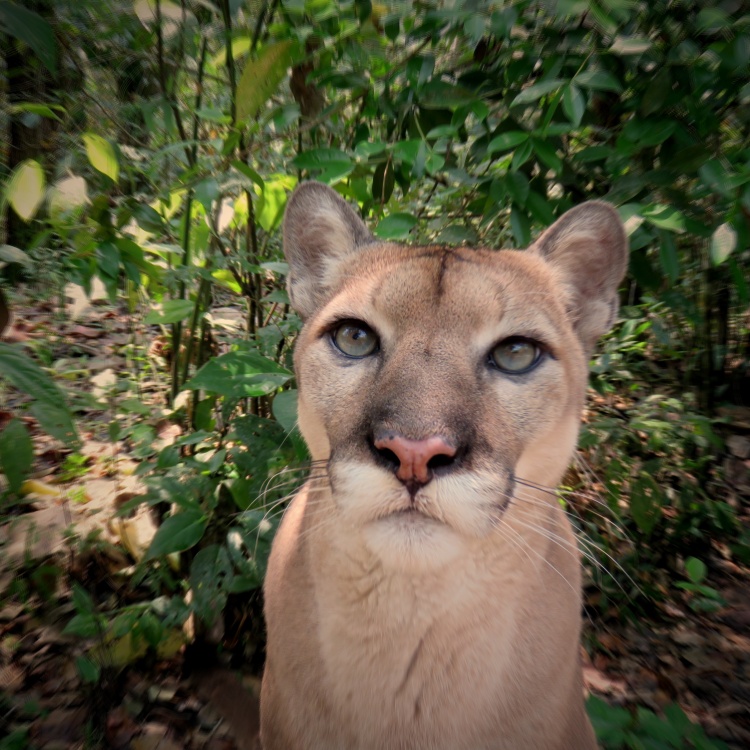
[(430, 529)]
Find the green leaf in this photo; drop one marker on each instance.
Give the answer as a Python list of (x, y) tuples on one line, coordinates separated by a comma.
[(89, 671), (695, 569), (239, 375), (335, 164), (669, 257), (249, 172), (396, 226), (537, 91), (547, 154), (723, 243), (31, 29), (16, 453), (520, 226), (261, 78), (285, 409), (56, 420), (29, 378), (178, 533), (25, 189), (645, 503), (664, 217), (574, 104), (172, 311), (10, 254), (599, 80), (506, 141), (101, 155)]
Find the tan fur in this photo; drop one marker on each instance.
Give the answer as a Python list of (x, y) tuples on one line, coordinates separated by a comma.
[(455, 628)]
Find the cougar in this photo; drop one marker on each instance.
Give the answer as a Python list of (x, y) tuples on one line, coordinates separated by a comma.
[(423, 590)]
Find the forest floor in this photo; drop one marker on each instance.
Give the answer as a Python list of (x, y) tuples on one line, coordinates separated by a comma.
[(67, 532)]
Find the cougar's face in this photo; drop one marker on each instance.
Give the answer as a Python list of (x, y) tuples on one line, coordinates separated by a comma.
[(432, 382)]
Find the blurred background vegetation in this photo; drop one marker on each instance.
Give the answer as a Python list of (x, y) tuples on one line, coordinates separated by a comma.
[(152, 146)]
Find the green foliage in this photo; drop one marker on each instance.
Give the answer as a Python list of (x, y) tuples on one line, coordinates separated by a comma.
[(619, 729)]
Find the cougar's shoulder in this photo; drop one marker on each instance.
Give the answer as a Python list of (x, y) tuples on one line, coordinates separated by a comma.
[(423, 590)]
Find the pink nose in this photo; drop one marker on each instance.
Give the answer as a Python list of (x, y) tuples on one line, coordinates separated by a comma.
[(414, 456)]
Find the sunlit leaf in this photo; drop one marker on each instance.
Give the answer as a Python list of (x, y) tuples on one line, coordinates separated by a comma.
[(101, 155), (723, 243), (261, 77), (25, 189)]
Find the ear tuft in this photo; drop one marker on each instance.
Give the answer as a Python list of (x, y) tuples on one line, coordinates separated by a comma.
[(587, 246), (320, 230)]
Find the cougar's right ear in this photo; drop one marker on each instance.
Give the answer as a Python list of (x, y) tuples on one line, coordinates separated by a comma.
[(320, 230)]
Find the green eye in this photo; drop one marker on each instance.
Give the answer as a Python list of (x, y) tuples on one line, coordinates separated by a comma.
[(516, 355), (355, 339)]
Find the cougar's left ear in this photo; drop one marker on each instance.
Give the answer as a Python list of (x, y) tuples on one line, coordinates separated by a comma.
[(320, 230), (588, 248)]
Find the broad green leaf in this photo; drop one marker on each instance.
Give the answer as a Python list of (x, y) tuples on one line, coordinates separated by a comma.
[(16, 453), (547, 154), (321, 158), (249, 172), (10, 254), (664, 217), (42, 110), (537, 91), (172, 311), (25, 189), (475, 26), (101, 155), (695, 569), (89, 671), (178, 533), (645, 503), (599, 80), (521, 227), (261, 77), (269, 209), (518, 186), (723, 243), (31, 29), (506, 141), (285, 409), (574, 104), (49, 407), (669, 257), (239, 375), (396, 226)]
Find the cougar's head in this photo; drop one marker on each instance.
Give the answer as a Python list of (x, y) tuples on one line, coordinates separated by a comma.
[(433, 379)]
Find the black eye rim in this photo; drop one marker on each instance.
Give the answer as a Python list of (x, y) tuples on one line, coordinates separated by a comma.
[(354, 322), (541, 352)]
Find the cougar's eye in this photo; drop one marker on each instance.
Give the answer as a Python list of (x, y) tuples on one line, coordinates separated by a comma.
[(516, 355), (355, 339)]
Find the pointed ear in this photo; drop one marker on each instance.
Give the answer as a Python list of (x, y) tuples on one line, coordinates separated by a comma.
[(588, 248), (320, 230)]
